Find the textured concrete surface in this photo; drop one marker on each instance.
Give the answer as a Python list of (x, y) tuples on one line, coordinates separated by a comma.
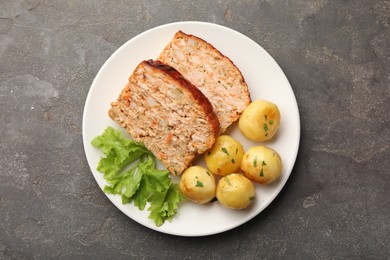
[(336, 203)]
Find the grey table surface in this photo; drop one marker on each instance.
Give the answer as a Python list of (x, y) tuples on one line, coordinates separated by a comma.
[(336, 56)]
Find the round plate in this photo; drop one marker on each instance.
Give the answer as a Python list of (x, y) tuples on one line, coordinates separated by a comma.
[(265, 80)]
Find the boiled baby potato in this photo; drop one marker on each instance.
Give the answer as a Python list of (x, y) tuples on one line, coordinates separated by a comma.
[(235, 191), (197, 184), (260, 120), (262, 164), (225, 156)]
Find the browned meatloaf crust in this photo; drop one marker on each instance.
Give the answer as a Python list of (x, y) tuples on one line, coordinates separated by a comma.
[(162, 109), (212, 72)]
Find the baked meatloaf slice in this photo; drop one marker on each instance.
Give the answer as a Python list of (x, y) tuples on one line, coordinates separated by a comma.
[(163, 110), (212, 72)]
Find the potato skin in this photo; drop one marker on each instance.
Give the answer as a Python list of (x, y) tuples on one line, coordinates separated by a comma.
[(225, 156), (260, 120), (262, 164), (235, 191), (197, 184)]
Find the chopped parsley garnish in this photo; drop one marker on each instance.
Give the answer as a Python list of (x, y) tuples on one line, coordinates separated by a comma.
[(228, 181), (255, 162), (224, 150), (208, 173), (199, 184), (265, 117), (271, 122), (251, 198), (208, 153), (236, 151), (265, 127), (261, 172), (233, 161), (263, 163)]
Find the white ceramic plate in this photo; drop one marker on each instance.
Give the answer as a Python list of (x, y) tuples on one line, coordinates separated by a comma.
[(265, 80)]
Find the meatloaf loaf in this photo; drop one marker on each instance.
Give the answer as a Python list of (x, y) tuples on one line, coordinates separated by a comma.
[(212, 72), (162, 109)]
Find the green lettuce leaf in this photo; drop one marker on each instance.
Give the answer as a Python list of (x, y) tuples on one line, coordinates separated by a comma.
[(157, 180), (112, 139), (153, 180), (172, 201), (143, 183), (125, 184), (164, 204), (141, 197), (119, 150)]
